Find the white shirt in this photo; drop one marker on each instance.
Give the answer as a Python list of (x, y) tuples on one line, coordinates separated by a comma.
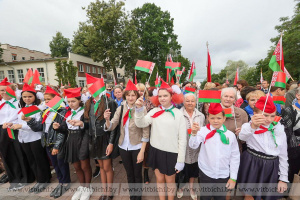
[(49, 121), (265, 143), (7, 113), (126, 142), (216, 159), (18, 93), (76, 116), (85, 97), (27, 135), (40, 96)]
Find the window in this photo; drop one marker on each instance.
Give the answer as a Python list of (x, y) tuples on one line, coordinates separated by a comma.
[(14, 56), (119, 75), (11, 76), (87, 69), (20, 75), (81, 83), (42, 74), (94, 70), (2, 76), (31, 58), (104, 72), (80, 66), (99, 70), (23, 58)]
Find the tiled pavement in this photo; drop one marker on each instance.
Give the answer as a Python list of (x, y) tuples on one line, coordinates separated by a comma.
[(119, 177)]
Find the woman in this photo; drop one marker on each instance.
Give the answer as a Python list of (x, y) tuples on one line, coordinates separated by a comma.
[(291, 122), (101, 141), (53, 141), (132, 141), (149, 106), (252, 98), (191, 170), (240, 85), (239, 116), (76, 150), (168, 136), (85, 95), (31, 142), (118, 92)]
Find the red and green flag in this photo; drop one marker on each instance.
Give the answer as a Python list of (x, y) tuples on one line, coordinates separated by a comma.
[(276, 120), (236, 78), (228, 112), (279, 100), (278, 79), (209, 96), (11, 133), (192, 72), (178, 73), (10, 92), (28, 75), (144, 66), (172, 65), (55, 102), (208, 66), (189, 132), (31, 110), (97, 88), (157, 82), (35, 79), (190, 90)]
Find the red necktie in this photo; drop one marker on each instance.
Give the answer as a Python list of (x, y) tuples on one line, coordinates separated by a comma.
[(68, 114), (45, 116), (162, 111), (264, 129), (2, 105), (126, 116)]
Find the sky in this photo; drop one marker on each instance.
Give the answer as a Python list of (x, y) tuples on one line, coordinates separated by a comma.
[(234, 29)]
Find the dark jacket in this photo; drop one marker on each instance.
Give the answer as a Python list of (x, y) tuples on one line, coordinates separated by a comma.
[(96, 122), (52, 138)]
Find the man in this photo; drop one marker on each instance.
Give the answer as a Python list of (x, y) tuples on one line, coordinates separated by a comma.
[(277, 91), (265, 86), (258, 85), (291, 94), (122, 85)]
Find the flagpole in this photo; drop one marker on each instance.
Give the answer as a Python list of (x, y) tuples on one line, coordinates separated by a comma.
[(147, 82), (106, 100), (268, 94), (57, 113)]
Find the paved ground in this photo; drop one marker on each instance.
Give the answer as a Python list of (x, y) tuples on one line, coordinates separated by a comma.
[(119, 177)]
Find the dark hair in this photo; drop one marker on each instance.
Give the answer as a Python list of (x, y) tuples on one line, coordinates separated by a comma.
[(246, 90), (266, 81), (79, 99), (258, 83), (273, 88), (242, 82), (125, 93), (185, 83), (217, 84), (36, 101)]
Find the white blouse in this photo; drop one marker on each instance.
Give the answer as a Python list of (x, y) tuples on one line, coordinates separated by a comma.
[(76, 116)]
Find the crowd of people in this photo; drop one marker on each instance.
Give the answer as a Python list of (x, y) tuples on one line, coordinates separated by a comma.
[(164, 129)]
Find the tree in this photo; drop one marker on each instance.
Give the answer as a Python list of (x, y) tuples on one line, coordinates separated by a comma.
[(66, 72), (59, 45), (291, 47), (157, 38), (108, 36), (1, 53)]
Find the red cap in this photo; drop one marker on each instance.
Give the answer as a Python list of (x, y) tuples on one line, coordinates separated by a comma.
[(49, 90), (72, 92), (27, 88), (270, 107), (164, 85), (5, 82), (90, 79), (215, 108), (130, 86)]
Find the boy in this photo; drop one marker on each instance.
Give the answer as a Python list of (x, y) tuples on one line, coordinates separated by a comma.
[(266, 155), (219, 156)]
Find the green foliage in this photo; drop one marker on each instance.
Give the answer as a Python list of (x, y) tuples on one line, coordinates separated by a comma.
[(291, 47), (66, 72), (59, 45), (108, 36), (157, 39)]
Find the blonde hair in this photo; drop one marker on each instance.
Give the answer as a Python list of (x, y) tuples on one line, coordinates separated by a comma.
[(209, 85), (141, 86), (255, 93)]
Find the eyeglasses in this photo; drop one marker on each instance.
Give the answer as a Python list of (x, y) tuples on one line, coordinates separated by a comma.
[(108, 89)]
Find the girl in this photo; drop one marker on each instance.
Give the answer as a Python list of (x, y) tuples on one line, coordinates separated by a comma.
[(53, 141), (31, 142), (168, 136), (101, 141), (133, 140), (77, 143)]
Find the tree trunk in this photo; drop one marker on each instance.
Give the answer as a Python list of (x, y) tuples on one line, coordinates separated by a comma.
[(115, 73)]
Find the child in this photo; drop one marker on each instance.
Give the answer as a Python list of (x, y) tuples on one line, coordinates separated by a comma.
[(266, 156), (77, 143), (219, 156)]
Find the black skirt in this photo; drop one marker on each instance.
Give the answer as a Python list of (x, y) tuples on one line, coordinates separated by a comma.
[(163, 161), (257, 171), (77, 146), (98, 147)]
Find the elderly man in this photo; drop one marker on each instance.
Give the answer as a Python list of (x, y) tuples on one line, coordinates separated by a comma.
[(239, 116), (193, 119)]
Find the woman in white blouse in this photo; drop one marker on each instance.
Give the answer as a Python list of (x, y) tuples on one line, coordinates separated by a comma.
[(31, 142)]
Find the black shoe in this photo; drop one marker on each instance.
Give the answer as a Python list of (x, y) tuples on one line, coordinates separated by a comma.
[(41, 188), (34, 188), (97, 172), (4, 179), (55, 190), (62, 190), (146, 176)]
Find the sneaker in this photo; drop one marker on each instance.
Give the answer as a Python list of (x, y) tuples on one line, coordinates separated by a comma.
[(77, 194), (97, 172), (53, 171), (19, 186), (87, 192), (11, 187)]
